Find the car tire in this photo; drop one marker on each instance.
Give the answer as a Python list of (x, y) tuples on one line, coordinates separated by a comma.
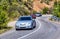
[(16, 29), (34, 26)]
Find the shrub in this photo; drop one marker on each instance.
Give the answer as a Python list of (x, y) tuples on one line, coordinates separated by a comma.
[(45, 10), (56, 9), (3, 19)]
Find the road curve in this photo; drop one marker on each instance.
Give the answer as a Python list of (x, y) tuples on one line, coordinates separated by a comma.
[(13, 34), (47, 30)]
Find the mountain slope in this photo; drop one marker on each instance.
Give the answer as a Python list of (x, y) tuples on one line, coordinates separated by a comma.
[(38, 6)]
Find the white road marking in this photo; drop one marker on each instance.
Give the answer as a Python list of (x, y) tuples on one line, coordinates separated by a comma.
[(31, 32)]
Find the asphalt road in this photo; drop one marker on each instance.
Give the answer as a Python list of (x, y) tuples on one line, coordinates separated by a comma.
[(44, 30)]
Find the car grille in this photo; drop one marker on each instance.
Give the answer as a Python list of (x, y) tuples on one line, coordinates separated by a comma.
[(22, 27)]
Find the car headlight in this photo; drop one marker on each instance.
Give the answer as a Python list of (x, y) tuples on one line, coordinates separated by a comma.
[(28, 24), (16, 25)]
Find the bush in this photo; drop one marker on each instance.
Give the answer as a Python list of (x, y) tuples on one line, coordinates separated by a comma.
[(3, 19), (45, 10), (56, 9)]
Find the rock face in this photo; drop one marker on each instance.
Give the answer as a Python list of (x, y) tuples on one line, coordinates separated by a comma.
[(38, 6)]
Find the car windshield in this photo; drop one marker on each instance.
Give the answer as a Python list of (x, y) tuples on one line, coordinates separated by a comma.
[(25, 18), (37, 13)]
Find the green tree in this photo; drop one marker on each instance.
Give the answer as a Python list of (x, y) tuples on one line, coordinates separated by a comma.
[(56, 10), (10, 9), (45, 10)]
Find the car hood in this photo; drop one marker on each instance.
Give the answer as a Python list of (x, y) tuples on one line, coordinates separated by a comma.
[(23, 22)]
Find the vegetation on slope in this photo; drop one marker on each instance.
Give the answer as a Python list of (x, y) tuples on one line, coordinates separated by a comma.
[(11, 9), (56, 9)]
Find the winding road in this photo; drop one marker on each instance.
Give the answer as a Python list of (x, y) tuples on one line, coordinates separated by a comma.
[(44, 30)]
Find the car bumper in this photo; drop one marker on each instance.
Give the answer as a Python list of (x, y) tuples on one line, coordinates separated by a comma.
[(23, 27)]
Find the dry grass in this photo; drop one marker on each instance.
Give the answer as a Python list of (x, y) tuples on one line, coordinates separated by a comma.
[(5, 29)]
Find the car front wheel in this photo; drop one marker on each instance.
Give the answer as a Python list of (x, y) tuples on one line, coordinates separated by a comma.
[(17, 29)]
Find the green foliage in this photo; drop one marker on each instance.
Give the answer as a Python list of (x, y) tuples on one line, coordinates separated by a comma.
[(45, 10), (3, 19), (5, 29), (1, 8), (56, 10), (11, 9)]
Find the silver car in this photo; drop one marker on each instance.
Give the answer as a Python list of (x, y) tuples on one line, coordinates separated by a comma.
[(25, 22), (38, 14)]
